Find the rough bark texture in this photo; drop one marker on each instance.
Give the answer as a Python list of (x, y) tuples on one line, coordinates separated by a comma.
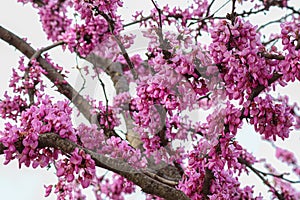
[(148, 184)]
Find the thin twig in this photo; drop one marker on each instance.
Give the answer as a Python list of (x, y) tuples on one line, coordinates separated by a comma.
[(35, 56), (39, 52), (209, 7), (265, 181), (117, 39), (274, 40), (159, 13), (106, 99), (82, 77), (273, 22), (281, 176), (210, 16), (159, 30), (138, 21)]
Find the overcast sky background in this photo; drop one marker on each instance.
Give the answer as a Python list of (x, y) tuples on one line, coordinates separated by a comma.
[(27, 184)]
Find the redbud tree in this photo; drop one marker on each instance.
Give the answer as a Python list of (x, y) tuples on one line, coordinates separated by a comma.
[(163, 149)]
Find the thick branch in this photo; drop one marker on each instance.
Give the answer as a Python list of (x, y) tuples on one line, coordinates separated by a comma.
[(272, 56), (260, 88), (148, 184), (52, 74)]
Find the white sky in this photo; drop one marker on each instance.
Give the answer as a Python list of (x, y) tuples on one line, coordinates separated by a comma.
[(27, 184)]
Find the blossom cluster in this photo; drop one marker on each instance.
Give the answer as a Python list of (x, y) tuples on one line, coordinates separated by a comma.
[(36, 120), (216, 167), (285, 156), (179, 75), (290, 67), (96, 29), (65, 190), (118, 148), (79, 163), (31, 78), (11, 107), (270, 119), (59, 22), (25, 80), (235, 50), (114, 147), (176, 15), (79, 169), (106, 115), (115, 188)]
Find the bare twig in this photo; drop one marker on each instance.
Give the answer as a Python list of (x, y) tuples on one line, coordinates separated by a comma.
[(39, 52), (212, 15), (274, 40), (82, 77), (281, 176), (106, 100), (159, 29), (274, 21), (265, 181), (209, 7), (138, 21), (272, 56), (159, 14), (117, 39)]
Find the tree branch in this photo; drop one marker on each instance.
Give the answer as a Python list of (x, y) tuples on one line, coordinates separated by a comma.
[(148, 184), (52, 74), (265, 181), (260, 88), (40, 3)]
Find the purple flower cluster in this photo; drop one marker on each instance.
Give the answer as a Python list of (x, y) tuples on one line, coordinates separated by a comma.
[(54, 18), (89, 134), (79, 169), (269, 119), (290, 67), (106, 115), (94, 31), (236, 49), (221, 162), (31, 78), (11, 107), (285, 156), (115, 188), (79, 163), (118, 148), (43, 118), (150, 94), (232, 118)]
